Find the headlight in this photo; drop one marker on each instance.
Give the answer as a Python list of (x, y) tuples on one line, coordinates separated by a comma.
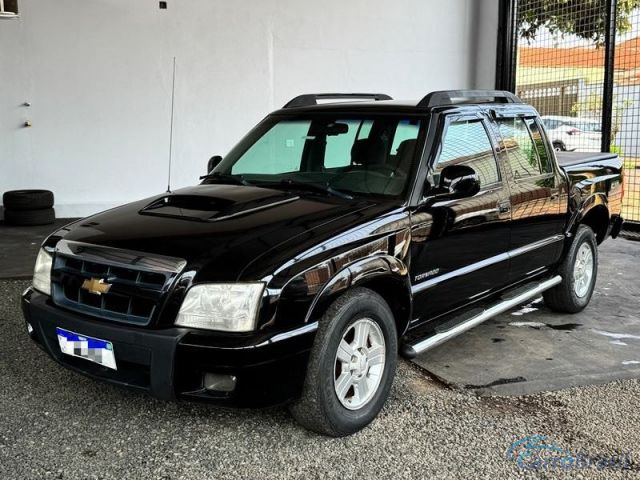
[(231, 307), (42, 272)]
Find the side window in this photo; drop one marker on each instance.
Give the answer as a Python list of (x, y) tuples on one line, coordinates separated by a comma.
[(540, 144), (521, 152), (278, 151), (467, 143)]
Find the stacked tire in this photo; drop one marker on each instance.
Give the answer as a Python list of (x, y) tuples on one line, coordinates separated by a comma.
[(28, 207)]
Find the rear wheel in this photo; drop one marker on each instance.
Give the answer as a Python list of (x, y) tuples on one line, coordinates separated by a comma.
[(352, 365), (559, 147), (579, 271)]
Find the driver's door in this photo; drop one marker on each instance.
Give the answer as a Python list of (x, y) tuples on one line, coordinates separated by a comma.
[(460, 247)]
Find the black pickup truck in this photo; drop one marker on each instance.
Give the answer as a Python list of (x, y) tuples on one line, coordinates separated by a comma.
[(332, 237)]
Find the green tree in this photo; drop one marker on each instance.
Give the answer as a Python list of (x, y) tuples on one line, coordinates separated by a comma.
[(583, 18)]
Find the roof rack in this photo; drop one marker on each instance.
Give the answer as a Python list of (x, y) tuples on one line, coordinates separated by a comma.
[(456, 97), (309, 99)]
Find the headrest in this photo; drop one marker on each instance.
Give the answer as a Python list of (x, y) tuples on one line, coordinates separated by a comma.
[(368, 151)]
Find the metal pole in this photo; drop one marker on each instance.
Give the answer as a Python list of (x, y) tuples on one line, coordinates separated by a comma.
[(609, 67), (506, 54), (173, 94)]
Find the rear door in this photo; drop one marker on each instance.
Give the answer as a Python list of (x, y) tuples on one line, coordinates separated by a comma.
[(536, 188), (460, 247)]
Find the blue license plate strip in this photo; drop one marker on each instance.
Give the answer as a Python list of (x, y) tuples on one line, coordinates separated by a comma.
[(90, 348)]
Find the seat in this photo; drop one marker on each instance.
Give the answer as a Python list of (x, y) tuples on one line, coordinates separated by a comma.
[(368, 152), (404, 156)]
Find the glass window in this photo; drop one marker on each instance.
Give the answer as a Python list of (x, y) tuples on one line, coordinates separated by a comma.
[(467, 143), (277, 152), (338, 149), (586, 126), (359, 156), (364, 129), (521, 152), (406, 130), (539, 142)]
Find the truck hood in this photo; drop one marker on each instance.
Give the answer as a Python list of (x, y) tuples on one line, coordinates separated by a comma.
[(220, 229)]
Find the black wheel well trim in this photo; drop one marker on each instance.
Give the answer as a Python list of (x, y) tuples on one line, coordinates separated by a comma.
[(370, 273), (595, 214), (598, 219)]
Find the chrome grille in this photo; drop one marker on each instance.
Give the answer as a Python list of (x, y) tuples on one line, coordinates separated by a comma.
[(137, 281)]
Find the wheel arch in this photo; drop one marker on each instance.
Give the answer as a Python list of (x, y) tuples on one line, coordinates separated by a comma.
[(591, 210), (384, 274), (597, 218)]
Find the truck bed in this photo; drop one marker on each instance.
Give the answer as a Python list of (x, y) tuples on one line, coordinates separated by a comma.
[(567, 159), (594, 178)]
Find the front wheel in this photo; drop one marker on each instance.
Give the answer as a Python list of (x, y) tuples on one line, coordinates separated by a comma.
[(351, 367), (579, 270)]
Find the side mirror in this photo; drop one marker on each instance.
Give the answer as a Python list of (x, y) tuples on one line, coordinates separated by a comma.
[(213, 162), (458, 181)]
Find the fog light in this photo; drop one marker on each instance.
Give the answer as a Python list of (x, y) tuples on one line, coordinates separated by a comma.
[(29, 329), (216, 382)]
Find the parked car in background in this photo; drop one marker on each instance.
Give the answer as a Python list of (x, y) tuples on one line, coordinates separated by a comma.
[(573, 133)]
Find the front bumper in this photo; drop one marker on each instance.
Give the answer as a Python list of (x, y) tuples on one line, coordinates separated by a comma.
[(169, 363)]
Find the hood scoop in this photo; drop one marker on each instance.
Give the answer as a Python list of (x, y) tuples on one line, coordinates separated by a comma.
[(211, 209)]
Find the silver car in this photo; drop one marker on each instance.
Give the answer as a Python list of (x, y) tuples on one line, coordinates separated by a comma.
[(573, 133)]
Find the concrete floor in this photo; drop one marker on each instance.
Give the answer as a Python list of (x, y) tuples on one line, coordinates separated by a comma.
[(532, 349), (19, 247)]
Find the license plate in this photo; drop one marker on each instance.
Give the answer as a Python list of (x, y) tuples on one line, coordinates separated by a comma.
[(89, 348)]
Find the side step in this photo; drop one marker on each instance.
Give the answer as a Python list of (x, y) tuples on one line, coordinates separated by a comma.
[(411, 350)]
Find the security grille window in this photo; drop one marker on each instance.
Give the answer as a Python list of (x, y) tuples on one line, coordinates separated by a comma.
[(578, 63), (467, 143), (521, 150), (625, 122)]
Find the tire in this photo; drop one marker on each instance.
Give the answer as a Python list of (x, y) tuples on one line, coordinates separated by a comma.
[(43, 216), (573, 294), (27, 199), (559, 147), (320, 409)]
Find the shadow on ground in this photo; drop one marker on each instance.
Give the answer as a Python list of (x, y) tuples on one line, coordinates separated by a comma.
[(531, 349)]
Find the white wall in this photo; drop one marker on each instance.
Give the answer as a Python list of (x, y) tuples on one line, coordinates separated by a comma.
[(98, 76)]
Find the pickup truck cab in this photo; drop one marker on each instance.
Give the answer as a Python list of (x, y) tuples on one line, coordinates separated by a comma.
[(332, 237)]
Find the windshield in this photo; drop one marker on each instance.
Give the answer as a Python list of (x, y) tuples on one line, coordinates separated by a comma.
[(360, 156)]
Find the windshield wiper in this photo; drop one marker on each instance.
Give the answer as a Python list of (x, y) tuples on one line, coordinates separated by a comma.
[(311, 187), (226, 178)]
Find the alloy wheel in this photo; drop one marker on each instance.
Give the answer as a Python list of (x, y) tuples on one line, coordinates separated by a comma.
[(359, 363)]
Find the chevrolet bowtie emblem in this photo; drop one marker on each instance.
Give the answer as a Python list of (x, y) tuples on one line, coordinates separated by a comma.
[(96, 286)]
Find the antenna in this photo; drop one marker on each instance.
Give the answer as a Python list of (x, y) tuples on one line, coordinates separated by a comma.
[(173, 94)]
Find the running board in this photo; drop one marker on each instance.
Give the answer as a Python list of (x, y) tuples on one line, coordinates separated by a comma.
[(411, 350)]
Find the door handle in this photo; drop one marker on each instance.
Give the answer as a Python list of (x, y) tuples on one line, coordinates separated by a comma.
[(504, 207)]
